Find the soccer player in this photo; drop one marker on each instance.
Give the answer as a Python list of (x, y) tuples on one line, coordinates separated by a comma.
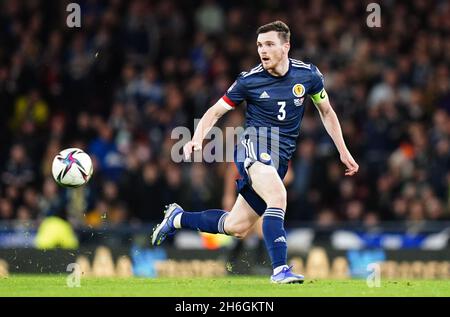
[(274, 91)]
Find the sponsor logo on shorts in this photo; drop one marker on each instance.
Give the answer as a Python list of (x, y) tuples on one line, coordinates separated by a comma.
[(265, 156)]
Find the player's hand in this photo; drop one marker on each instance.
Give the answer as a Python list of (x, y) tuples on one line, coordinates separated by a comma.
[(189, 147), (350, 163)]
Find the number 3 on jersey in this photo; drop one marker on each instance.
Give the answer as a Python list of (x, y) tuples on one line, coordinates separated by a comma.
[(282, 112)]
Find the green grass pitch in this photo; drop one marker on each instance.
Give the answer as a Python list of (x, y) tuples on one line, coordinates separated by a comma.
[(231, 286)]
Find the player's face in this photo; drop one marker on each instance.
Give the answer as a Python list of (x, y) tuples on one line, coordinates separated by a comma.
[(271, 49)]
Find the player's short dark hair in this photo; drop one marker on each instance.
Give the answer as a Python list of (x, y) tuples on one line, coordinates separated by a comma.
[(278, 26)]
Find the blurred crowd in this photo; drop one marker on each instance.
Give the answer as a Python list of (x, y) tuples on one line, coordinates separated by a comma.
[(134, 70)]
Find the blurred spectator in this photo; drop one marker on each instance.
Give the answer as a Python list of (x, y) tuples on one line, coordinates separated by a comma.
[(173, 184), (384, 91), (148, 88), (371, 219), (31, 202), (77, 202), (104, 150), (23, 214), (149, 194), (141, 32), (50, 201), (30, 108), (303, 166), (417, 212), (200, 189), (354, 212), (19, 171), (6, 210), (210, 17), (326, 218), (53, 148), (96, 217), (83, 130), (55, 232), (118, 215)]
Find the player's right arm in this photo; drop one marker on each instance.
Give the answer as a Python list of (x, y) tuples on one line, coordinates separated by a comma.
[(205, 124), (234, 96)]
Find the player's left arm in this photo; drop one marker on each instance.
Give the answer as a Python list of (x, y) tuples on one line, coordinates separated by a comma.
[(333, 127)]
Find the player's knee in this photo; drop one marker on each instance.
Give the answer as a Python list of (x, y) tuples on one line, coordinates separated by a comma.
[(278, 199), (236, 230), (240, 234)]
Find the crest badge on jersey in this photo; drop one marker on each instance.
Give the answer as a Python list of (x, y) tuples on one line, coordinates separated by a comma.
[(298, 90)]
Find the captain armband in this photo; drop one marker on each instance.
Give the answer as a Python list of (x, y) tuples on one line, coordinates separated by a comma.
[(319, 97)]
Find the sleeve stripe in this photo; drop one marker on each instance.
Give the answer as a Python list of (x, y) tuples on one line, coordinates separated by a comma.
[(228, 101)]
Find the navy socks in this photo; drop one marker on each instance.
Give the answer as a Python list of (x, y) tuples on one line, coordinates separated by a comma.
[(211, 221), (275, 236)]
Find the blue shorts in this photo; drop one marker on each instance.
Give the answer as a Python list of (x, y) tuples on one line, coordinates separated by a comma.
[(246, 153)]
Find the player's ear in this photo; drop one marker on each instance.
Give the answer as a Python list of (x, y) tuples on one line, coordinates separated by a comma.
[(286, 47)]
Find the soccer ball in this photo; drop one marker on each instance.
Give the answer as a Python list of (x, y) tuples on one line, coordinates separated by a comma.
[(72, 168)]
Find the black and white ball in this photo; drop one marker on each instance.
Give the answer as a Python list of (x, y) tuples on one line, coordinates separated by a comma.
[(72, 168)]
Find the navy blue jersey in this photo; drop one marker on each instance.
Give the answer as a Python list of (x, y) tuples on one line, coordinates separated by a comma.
[(277, 101)]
